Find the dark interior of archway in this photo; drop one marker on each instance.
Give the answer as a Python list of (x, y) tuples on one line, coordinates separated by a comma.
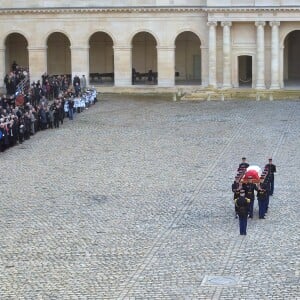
[(16, 50), (245, 70), (101, 59), (187, 59), (58, 54), (144, 59), (292, 61)]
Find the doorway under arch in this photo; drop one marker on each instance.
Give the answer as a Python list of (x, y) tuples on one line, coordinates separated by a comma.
[(245, 71), (16, 51), (58, 54), (144, 59), (101, 59), (291, 66), (187, 59)]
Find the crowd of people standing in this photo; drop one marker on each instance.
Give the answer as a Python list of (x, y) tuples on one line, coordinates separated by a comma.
[(43, 105)]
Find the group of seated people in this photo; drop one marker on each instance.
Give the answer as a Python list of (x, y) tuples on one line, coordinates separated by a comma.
[(149, 76), (137, 77)]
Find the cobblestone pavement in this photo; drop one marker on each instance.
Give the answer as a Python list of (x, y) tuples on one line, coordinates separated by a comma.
[(132, 200)]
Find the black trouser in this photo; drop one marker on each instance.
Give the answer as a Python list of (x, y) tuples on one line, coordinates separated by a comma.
[(56, 122)]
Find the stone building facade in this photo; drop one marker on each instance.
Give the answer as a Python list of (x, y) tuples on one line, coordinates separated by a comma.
[(217, 43)]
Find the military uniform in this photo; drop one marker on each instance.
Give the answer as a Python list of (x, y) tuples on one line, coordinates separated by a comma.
[(271, 170), (243, 165), (267, 188), (249, 188), (242, 204), (262, 200), (235, 187)]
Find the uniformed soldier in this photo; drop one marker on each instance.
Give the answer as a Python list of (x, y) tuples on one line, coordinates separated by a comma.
[(242, 204), (235, 187), (243, 165), (249, 188), (271, 168), (267, 187), (262, 198)]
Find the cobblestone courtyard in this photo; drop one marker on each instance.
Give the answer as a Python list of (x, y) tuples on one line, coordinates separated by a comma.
[(132, 200)]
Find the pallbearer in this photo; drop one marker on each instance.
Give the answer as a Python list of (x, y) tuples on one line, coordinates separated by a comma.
[(235, 187), (242, 206), (262, 198), (243, 165), (271, 168), (249, 188)]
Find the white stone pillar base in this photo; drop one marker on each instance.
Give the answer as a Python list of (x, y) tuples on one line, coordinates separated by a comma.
[(275, 87), (260, 87)]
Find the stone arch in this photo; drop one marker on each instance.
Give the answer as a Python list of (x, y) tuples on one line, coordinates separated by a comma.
[(144, 58), (47, 34), (101, 58), (109, 33), (192, 30), (290, 57), (187, 58), (58, 54), (16, 50), (146, 31)]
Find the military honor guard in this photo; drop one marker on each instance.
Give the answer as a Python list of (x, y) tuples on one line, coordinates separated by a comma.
[(243, 165), (242, 204), (249, 188), (248, 180), (271, 169), (236, 187), (262, 198)]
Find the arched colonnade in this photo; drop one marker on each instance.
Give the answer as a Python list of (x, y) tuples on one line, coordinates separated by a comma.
[(145, 59)]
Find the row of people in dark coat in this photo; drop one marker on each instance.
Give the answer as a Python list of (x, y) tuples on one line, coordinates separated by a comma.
[(20, 123), (16, 125)]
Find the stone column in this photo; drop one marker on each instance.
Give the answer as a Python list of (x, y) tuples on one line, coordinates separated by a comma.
[(212, 58), (260, 55), (2, 67), (204, 66), (166, 66), (283, 66), (226, 54), (80, 62), (123, 65), (37, 62), (275, 56)]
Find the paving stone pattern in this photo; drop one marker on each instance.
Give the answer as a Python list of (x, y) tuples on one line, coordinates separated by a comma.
[(132, 200)]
